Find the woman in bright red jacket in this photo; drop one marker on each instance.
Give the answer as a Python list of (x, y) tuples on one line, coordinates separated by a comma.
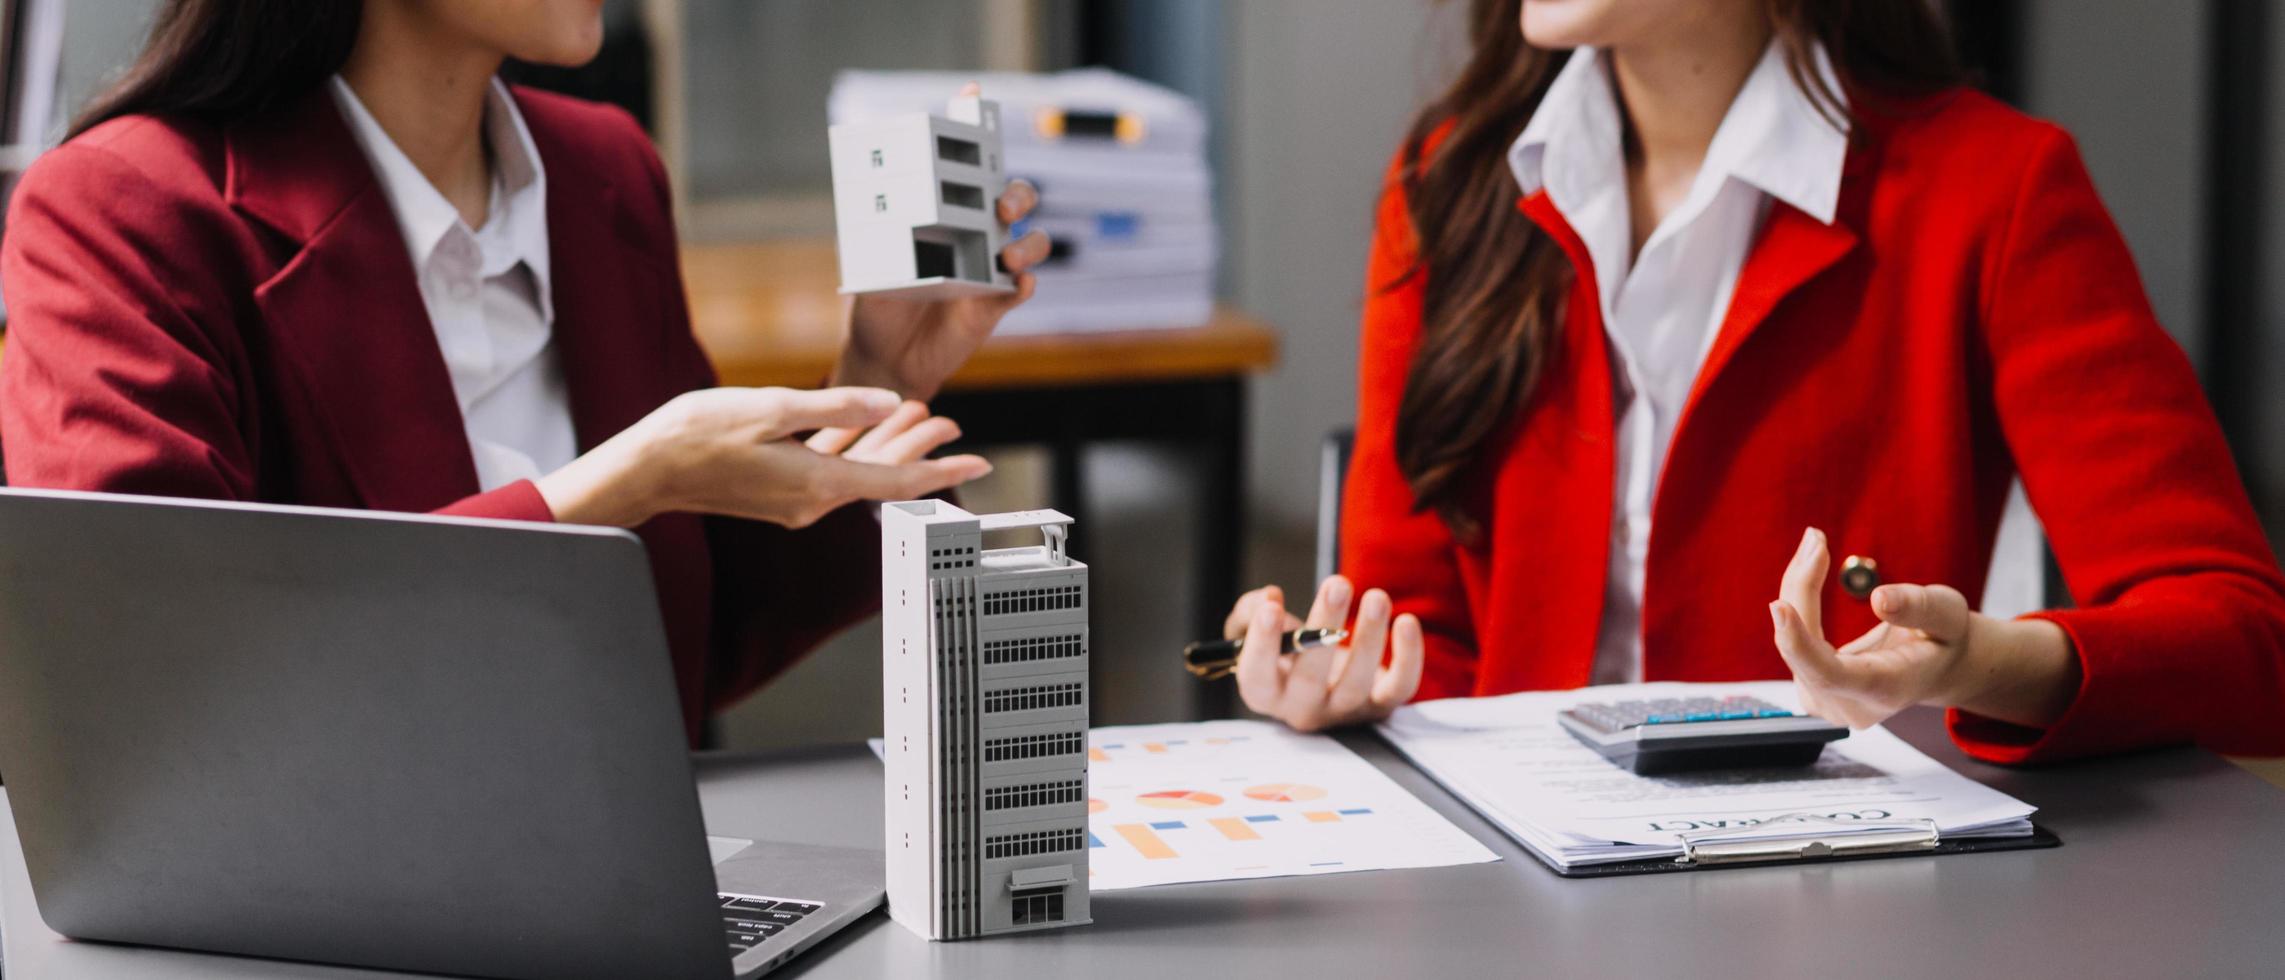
[(1673, 300)]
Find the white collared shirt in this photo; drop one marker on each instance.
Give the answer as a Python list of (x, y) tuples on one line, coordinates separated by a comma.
[(486, 290), (1662, 309)]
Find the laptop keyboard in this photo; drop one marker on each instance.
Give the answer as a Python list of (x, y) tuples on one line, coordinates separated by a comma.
[(752, 919)]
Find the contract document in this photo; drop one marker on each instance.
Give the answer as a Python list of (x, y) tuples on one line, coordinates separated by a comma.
[(1509, 759)]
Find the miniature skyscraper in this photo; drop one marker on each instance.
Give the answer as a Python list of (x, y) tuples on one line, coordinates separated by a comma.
[(915, 201), (984, 699)]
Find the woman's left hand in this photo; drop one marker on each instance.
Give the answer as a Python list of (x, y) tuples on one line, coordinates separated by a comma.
[(1929, 648)]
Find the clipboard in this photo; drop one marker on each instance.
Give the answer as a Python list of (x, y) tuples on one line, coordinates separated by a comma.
[(1718, 849)]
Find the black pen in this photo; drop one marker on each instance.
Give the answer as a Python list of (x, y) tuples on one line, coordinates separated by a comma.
[(1215, 659)]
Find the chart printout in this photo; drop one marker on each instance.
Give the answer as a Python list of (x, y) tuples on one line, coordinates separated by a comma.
[(1222, 800), (1209, 801)]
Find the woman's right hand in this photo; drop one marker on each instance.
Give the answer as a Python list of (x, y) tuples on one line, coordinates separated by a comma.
[(732, 451), (1325, 687)]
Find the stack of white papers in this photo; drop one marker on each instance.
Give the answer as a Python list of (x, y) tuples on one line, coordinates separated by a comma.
[(1132, 215), (1509, 759)]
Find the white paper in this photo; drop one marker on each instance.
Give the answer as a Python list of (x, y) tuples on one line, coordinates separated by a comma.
[(1220, 800), (1215, 800), (1509, 758), (1173, 124)]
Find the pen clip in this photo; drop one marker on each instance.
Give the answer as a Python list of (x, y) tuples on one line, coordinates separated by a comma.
[(1207, 667), (1726, 846)]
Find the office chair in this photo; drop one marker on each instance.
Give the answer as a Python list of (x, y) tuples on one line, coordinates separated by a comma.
[(1332, 470)]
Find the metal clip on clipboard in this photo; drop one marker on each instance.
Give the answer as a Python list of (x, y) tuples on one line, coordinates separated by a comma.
[(1708, 847)]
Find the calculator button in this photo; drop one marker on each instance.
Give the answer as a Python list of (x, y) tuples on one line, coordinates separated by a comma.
[(1619, 716)]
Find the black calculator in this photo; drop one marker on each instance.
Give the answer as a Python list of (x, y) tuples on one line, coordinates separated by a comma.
[(1688, 734)]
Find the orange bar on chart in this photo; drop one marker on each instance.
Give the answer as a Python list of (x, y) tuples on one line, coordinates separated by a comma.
[(1153, 747), (1096, 755), (1145, 841), (1234, 828), (1322, 816)]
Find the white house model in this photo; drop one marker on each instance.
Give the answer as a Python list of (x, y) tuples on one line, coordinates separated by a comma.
[(915, 201), (984, 700)]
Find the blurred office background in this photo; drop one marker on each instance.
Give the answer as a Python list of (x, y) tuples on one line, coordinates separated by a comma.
[(2173, 104)]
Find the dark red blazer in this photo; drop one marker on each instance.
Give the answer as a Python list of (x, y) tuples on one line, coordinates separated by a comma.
[(229, 312), (1972, 315)]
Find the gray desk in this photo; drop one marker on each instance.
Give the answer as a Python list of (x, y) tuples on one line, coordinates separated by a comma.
[(2170, 867)]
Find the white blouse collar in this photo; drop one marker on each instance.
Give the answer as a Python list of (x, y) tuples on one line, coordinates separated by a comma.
[(519, 198), (1773, 136)]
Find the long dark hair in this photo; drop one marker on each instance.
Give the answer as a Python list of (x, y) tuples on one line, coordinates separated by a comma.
[(1495, 283), (225, 59)]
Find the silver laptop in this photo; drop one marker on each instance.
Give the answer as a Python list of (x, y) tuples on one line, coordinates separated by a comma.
[(406, 742)]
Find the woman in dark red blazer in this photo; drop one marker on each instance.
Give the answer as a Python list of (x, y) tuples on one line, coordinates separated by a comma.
[(224, 286), (1898, 317)]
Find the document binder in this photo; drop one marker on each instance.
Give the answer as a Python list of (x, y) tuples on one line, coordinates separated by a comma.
[(1871, 795), (1822, 839)]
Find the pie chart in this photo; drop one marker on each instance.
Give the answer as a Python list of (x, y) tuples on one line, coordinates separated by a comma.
[(1179, 799), (1285, 792)]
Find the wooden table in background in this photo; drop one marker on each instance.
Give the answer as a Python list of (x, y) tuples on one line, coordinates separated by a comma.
[(768, 314)]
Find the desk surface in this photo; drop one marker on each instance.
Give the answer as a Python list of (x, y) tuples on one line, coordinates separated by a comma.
[(2167, 869), (767, 314)]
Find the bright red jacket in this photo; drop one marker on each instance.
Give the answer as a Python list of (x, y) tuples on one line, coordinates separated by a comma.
[(1970, 316), (229, 312)]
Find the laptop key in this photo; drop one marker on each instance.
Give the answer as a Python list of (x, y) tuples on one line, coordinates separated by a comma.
[(750, 920)]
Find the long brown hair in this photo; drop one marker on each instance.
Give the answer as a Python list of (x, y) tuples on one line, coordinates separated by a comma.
[(1495, 283), (219, 60)]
